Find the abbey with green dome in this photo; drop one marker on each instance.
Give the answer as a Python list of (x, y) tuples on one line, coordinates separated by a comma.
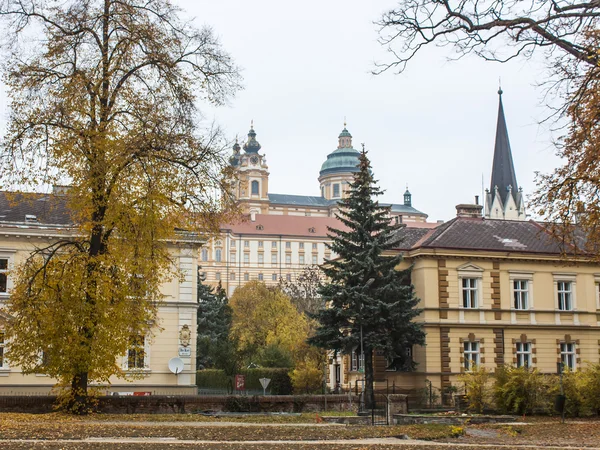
[(336, 173)]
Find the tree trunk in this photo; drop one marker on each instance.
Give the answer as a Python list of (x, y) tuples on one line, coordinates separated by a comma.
[(79, 402), (369, 394)]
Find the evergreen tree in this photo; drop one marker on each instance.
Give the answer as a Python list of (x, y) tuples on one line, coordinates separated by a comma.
[(365, 292), (214, 323)]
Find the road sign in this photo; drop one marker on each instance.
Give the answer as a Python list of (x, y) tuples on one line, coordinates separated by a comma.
[(264, 382), (240, 382)]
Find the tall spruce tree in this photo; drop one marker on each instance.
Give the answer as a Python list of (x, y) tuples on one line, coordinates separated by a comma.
[(214, 323), (365, 291)]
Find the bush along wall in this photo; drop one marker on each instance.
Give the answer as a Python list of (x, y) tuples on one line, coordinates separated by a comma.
[(280, 384)]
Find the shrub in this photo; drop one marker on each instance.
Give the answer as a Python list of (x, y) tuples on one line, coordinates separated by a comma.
[(456, 431), (518, 390), (591, 388), (307, 378), (477, 388), (573, 387), (217, 379)]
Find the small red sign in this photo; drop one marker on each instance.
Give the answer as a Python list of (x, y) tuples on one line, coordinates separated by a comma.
[(240, 382), (141, 394)]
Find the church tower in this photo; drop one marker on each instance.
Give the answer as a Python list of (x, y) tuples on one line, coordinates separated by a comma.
[(504, 198), (253, 175)]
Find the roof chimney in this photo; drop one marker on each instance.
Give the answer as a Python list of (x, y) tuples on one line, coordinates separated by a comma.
[(467, 210)]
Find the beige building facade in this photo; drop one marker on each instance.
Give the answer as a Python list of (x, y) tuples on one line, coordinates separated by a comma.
[(40, 221), (282, 234)]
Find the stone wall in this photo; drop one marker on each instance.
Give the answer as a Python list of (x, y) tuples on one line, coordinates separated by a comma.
[(165, 404)]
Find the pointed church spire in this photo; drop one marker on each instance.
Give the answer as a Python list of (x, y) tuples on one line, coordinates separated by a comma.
[(503, 170)]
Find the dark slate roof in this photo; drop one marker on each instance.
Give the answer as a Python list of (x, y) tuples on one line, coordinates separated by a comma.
[(409, 237), (299, 200), (48, 209), (503, 170), (307, 200), (464, 233), (399, 208)]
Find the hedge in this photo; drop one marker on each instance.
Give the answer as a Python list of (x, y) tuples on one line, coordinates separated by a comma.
[(280, 384)]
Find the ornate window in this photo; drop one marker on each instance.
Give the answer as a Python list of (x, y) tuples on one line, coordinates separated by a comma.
[(204, 254), (568, 355), (469, 292), (254, 187), (336, 190), (218, 256), (136, 354), (3, 275)]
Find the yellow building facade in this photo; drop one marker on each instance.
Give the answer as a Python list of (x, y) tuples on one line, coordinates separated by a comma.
[(40, 221)]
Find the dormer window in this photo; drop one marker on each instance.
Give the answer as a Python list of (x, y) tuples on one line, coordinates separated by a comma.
[(312, 230), (260, 227)]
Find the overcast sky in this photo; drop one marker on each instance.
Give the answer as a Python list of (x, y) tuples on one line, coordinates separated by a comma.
[(307, 65)]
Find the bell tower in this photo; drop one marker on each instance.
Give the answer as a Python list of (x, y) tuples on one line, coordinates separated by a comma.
[(253, 175)]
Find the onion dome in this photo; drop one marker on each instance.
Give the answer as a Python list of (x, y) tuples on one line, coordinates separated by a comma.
[(234, 160), (252, 145), (344, 159)]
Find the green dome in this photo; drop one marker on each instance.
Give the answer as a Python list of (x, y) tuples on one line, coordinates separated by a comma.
[(341, 160)]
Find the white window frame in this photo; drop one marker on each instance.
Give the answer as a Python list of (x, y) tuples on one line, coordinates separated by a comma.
[(261, 258), (471, 354), (246, 258), (252, 184), (568, 353), (516, 276), (288, 277), (288, 245), (218, 276), (273, 258), (315, 260), (336, 187), (260, 277), (274, 277), (273, 244), (246, 276), (357, 360), (564, 298), (523, 354), (218, 255), (565, 278), (7, 254), (520, 294), (261, 244), (470, 271), (301, 260), (204, 254), (288, 259), (301, 245), (232, 276), (469, 294)]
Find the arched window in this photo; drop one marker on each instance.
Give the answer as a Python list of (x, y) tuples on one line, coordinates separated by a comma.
[(255, 187), (204, 254), (218, 255)]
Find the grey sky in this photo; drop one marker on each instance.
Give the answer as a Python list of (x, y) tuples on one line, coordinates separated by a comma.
[(307, 64)]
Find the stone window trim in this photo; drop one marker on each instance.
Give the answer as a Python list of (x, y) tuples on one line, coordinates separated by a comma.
[(569, 278), (470, 271), (515, 275), (4, 367), (524, 340), (8, 256), (146, 368), (481, 350), (597, 281), (577, 350)]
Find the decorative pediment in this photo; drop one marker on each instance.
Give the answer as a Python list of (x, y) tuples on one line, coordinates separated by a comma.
[(469, 267)]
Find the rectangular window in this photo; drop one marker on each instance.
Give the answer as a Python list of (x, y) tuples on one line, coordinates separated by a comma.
[(274, 277), (356, 360), (521, 291), (246, 258), (246, 244), (469, 292), (246, 276), (336, 190), (314, 259), (301, 259), (524, 354), (260, 277), (288, 245), (567, 355), (288, 259), (301, 245), (218, 276), (1, 349), (218, 255), (3, 276), (232, 276), (565, 296), (471, 354), (204, 254), (288, 276), (314, 246), (273, 258), (136, 354), (273, 244), (261, 258), (261, 244), (232, 243), (232, 256)]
